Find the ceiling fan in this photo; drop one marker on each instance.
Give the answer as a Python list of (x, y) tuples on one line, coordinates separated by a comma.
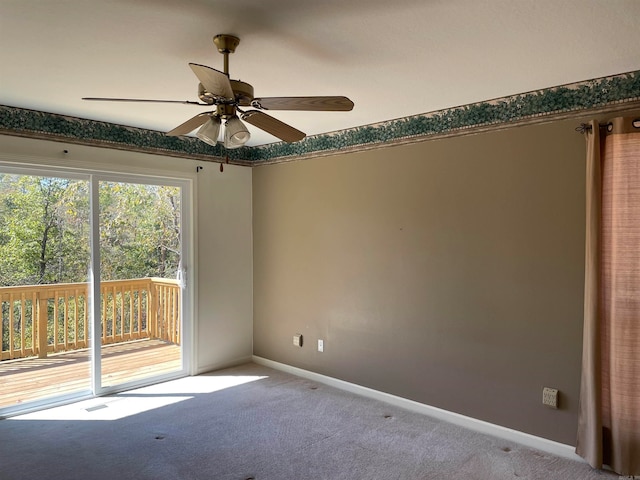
[(217, 89)]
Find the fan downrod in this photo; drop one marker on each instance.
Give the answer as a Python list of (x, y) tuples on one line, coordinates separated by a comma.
[(226, 44)]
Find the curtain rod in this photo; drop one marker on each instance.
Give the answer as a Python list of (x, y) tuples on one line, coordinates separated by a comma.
[(585, 127)]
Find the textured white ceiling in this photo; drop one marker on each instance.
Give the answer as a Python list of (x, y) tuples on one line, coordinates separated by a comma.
[(392, 58)]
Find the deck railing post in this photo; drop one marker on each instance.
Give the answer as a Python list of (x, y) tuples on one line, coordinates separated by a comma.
[(43, 334), (153, 330)]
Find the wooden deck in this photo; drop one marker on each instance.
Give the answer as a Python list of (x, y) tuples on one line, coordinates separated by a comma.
[(34, 378)]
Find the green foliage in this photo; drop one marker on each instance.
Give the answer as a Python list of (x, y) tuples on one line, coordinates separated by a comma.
[(139, 230), (44, 230), (45, 239), (41, 230)]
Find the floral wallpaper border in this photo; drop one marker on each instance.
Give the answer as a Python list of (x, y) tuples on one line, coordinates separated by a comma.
[(51, 126), (532, 107), (546, 104)]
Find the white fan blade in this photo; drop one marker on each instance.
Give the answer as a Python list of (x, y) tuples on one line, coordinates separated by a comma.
[(214, 81), (142, 100), (273, 126), (190, 125), (317, 104)]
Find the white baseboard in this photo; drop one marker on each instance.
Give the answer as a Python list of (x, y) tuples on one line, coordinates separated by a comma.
[(532, 441)]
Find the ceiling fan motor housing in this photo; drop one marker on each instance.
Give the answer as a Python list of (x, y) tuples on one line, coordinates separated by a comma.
[(242, 91)]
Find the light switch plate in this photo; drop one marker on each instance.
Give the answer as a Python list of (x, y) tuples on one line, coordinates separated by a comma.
[(297, 339)]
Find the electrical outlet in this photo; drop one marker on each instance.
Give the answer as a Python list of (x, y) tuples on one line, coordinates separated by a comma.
[(297, 340), (550, 397), (321, 345)]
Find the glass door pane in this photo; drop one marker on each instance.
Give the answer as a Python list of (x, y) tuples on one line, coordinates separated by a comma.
[(140, 294), (44, 260)]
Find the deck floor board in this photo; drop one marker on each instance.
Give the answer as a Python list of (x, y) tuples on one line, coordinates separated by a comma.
[(30, 379)]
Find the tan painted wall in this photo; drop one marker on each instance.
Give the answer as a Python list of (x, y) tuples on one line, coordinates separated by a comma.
[(448, 272)]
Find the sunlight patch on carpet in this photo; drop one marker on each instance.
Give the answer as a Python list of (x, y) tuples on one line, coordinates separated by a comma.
[(139, 400)]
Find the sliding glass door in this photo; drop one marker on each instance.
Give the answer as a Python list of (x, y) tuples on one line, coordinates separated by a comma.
[(92, 284), (44, 260), (141, 290)]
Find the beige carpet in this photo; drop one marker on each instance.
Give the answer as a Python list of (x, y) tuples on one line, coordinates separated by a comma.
[(255, 422)]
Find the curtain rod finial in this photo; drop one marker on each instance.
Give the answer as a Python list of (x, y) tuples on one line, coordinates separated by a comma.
[(583, 128)]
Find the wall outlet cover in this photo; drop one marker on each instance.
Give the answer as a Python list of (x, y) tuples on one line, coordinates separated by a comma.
[(321, 345), (550, 397)]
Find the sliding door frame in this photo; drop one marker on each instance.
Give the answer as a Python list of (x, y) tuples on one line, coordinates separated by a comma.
[(43, 167), (186, 305), (47, 171)]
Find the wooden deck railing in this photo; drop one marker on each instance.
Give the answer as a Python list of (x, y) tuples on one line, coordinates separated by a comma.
[(39, 319)]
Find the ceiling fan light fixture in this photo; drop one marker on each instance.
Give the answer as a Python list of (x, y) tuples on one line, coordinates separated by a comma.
[(216, 88), (209, 132), (235, 133)]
